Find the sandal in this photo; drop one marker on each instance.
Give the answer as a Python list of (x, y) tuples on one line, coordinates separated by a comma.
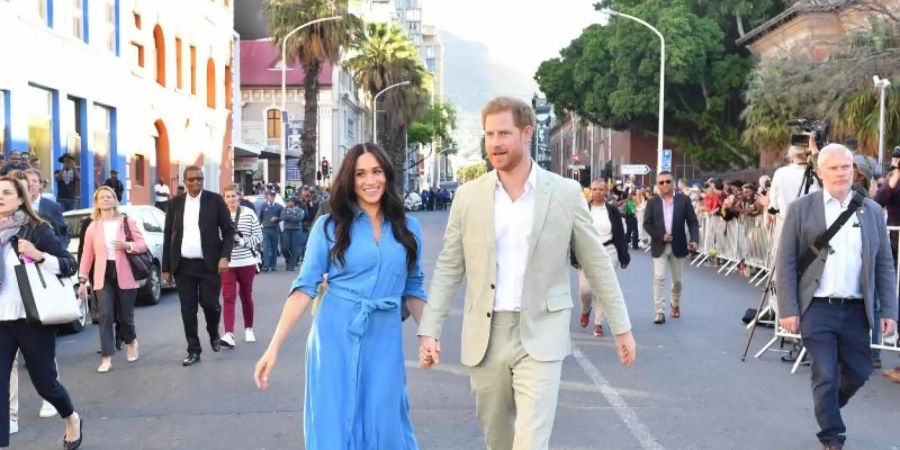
[(676, 312)]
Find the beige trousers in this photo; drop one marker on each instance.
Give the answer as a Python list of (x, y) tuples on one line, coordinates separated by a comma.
[(675, 265), (515, 395), (589, 301)]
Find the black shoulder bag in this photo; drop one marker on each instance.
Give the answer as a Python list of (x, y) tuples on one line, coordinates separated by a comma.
[(821, 242), (141, 263)]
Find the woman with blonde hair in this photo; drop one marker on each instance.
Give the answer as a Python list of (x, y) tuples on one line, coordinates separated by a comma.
[(106, 249), (25, 237)]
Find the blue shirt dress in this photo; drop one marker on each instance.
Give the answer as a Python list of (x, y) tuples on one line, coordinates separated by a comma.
[(355, 377)]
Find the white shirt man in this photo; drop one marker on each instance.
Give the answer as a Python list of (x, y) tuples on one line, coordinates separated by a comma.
[(190, 242), (512, 230)]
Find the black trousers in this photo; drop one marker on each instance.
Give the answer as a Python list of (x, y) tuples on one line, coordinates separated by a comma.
[(116, 306), (837, 341), (631, 230), (198, 287), (38, 346)]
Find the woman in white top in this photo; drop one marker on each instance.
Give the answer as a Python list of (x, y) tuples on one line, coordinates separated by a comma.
[(241, 268), (22, 232), (608, 222), (106, 252)]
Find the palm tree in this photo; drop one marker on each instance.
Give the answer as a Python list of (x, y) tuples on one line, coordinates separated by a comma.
[(312, 46), (385, 56)]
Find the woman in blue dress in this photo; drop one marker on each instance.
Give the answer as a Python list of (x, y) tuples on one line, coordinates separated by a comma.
[(371, 253)]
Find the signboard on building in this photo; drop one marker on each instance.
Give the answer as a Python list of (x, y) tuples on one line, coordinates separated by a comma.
[(246, 164), (293, 133), (666, 160), (635, 169), (293, 173)]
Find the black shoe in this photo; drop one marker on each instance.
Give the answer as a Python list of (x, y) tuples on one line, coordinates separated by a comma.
[(660, 319), (75, 444), (120, 344), (192, 358), (216, 344)]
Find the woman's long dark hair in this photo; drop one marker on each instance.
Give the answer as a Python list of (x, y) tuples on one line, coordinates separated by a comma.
[(343, 203)]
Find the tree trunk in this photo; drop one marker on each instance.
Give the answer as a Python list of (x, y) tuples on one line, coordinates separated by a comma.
[(308, 163), (393, 143)]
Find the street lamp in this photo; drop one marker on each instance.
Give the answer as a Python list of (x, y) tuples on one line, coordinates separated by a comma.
[(284, 116), (606, 12), (375, 109), (883, 84)]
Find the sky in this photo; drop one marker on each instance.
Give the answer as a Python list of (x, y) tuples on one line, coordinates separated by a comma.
[(519, 33)]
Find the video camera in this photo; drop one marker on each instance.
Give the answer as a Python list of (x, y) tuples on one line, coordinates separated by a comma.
[(818, 128)]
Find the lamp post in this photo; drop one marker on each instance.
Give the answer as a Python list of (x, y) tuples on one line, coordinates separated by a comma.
[(375, 109), (882, 84), (284, 115), (662, 77)]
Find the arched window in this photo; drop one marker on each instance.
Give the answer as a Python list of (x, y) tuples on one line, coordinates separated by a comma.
[(160, 45), (210, 83), (273, 124)]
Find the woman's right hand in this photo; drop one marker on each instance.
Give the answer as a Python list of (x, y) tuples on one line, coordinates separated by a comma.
[(82, 291), (263, 368)]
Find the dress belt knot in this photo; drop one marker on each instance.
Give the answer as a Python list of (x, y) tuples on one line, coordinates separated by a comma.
[(366, 307)]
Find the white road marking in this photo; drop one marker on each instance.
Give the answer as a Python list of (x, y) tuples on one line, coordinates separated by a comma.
[(628, 416)]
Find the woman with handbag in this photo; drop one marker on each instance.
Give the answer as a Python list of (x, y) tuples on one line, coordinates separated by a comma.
[(106, 248), (241, 268), (24, 238)]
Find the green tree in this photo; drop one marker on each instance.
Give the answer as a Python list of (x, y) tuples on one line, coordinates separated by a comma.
[(609, 75), (384, 56), (313, 46)]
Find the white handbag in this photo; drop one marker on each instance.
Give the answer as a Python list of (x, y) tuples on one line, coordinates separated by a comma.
[(49, 299)]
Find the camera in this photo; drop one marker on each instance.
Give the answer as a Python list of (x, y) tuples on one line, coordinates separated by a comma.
[(818, 128)]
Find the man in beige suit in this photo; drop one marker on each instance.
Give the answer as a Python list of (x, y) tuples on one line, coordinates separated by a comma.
[(509, 234)]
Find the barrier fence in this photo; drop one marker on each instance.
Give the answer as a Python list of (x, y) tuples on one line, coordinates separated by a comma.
[(744, 245)]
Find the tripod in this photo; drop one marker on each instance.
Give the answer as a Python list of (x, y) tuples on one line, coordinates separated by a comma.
[(765, 303)]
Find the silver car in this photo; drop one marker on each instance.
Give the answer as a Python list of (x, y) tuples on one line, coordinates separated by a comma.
[(151, 221)]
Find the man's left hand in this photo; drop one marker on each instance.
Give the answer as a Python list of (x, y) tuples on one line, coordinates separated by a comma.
[(888, 326), (223, 265), (693, 246), (625, 346)]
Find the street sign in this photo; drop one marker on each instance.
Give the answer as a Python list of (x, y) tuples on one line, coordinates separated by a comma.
[(576, 166), (635, 169), (293, 135), (666, 160)]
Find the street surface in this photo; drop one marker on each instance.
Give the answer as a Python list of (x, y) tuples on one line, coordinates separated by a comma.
[(687, 390)]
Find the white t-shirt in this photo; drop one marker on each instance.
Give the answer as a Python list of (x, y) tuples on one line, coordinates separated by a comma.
[(600, 217), (110, 232)]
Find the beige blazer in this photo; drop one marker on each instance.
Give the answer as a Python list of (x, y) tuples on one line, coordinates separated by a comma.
[(561, 218)]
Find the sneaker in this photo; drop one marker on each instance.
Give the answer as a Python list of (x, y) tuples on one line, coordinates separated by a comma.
[(598, 330), (249, 335), (227, 340), (13, 426), (47, 410)]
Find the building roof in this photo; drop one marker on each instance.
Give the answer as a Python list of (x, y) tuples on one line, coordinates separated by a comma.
[(260, 66), (800, 7)]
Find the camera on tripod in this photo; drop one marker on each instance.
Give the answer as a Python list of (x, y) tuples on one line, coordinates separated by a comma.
[(815, 127)]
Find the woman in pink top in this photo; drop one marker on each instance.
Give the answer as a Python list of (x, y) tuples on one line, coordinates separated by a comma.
[(106, 250)]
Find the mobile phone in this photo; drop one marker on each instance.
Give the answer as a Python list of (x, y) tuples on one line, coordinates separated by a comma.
[(800, 140)]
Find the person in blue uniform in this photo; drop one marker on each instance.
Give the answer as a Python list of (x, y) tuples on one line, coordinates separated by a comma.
[(371, 254)]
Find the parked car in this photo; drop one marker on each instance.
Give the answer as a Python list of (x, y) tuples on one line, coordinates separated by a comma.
[(413, 202), (151, 221)]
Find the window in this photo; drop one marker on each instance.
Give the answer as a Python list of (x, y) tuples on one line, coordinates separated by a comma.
[(273, 124), (76, 17), (137, 21), (179, 67), (351, 127), (42, 9), (72, 131), (160, 45), (106, 31), (138, 53), (102, 141), (41, 123), (139, 178), (228, 85), (4, 122), (210, 83), (193, 70)]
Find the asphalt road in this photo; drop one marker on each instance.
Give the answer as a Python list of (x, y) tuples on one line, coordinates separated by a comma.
[(688, 389)]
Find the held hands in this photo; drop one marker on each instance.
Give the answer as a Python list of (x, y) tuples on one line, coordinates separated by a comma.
[(790, 324), (263, 368), (429, 352), (625, 347), (28, 249)]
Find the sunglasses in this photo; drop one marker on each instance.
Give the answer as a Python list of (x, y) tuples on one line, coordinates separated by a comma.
[(662, 182), (194, 179)]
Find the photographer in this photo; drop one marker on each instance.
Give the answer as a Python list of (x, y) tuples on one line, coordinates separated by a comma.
[(787, 181)]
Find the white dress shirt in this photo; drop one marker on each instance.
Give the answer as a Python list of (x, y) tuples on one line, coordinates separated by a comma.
[(512, 235), (843, 268), (190, 239)]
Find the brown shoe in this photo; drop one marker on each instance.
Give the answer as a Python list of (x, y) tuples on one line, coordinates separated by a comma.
[(660, 319), (676, 312)]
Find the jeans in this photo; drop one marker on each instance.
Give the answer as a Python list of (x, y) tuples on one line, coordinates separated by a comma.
[(270, 246), (837, 341), (290, 246), (235, 280), (67, 204)]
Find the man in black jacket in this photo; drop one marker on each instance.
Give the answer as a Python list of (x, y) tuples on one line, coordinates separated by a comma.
[(664, 220), (199, 235)]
